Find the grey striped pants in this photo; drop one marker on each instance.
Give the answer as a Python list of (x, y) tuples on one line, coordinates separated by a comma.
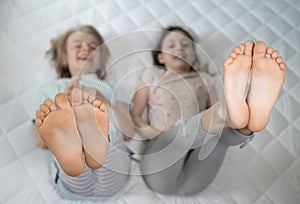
[(183, 162), (103, 182)]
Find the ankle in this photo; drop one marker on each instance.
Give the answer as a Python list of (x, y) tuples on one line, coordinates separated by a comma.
[(245, 131), (214, 118)]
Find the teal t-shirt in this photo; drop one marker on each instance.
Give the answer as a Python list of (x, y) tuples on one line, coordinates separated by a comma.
[(56, 86)]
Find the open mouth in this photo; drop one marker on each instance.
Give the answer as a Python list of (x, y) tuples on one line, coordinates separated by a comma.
[(85, 59), (181, 57)]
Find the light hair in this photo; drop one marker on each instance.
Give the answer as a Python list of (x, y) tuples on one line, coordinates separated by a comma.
[(58, 51)]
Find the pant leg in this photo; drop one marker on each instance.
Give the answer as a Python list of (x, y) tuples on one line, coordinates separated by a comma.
[(173, 163), (198, 174), (165, 157), (114, 174), (82, 185)]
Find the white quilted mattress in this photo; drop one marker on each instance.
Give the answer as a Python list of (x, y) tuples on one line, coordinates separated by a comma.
[(267, 171)]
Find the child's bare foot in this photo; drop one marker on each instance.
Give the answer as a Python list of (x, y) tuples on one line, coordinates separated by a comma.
[(58, 130), (236, 72), (92, 122), (268, 72)]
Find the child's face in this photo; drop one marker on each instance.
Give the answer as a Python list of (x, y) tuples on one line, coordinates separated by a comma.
[(177, 52), (79, 47)]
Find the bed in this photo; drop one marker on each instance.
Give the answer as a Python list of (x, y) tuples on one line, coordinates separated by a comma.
[(266, 171)]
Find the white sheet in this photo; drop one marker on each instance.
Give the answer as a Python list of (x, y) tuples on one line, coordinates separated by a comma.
[(267, 171)]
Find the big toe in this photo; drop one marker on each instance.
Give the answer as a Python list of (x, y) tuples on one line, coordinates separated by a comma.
[(62, 101), (249, 47), (259, 50), (100, 105)]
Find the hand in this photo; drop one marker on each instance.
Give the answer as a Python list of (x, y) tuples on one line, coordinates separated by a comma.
[(97, 94), (146, 130), (74, 83)]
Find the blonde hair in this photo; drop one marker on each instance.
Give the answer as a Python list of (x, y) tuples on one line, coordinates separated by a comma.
[(58, 51)]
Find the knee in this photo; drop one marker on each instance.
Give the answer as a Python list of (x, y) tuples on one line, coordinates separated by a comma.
[(159, 185)]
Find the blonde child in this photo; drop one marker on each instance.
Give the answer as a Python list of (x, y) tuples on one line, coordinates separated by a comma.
[(190, 132), (73, 120)]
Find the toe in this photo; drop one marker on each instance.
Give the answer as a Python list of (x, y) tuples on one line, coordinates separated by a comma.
[(39, 118), (279, 60), (269, 51), (76, 97), (228, 61), (40, 115), (282, 66), (249, 47), (275, 54), (242, 47), (85, 95), (233, 55), (259, 50), (237, 50), (91, 98), (48, 102), (100, 105), (103, 108), (38, 122), (97, 103), (45, 109), (62, 101)]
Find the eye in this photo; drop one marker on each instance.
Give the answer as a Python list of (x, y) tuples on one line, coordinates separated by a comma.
[(77, 46), (185, 44), (171, 45)]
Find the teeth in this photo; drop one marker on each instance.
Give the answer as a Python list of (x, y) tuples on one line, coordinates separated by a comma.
[(84, 57)]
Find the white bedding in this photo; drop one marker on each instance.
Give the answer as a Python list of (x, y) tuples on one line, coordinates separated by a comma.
[(267, 171)]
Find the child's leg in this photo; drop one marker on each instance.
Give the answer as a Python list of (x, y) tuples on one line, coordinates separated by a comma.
[(198, 174), (92, 122), (192, 176), (171, 167), (113, 175), (115, 171), (164, 162), (83, 184), (232, 110), (58, 130), (268, 72)]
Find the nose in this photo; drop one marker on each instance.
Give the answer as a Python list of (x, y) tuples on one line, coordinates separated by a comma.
[(86, 48), (178, 46)]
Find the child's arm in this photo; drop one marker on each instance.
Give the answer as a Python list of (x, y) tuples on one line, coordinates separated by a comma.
[(213, 97), (125, 123), (139, 104)]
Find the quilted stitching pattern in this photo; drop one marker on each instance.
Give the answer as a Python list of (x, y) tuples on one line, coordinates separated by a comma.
[(266, 171)]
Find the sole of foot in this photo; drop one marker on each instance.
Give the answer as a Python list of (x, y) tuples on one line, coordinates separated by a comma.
[(268, 73), (92, 121), (236, 73), (57, 127)]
